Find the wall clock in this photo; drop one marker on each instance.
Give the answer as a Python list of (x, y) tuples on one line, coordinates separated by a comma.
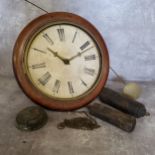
[(61, 61)]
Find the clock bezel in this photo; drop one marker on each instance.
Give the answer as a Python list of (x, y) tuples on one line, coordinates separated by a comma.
[(21, 74)]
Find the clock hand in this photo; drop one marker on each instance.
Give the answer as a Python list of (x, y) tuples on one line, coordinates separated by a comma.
[(55, 54), (80, 53), (73, 57), (65, 61)]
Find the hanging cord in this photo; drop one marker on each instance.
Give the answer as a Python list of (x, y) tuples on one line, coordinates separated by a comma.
[(37, 6), (116, 74)]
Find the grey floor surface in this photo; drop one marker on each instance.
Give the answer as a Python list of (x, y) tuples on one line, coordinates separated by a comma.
[(107, 140)]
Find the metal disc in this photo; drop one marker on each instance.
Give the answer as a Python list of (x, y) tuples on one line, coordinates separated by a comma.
[(31, 118)]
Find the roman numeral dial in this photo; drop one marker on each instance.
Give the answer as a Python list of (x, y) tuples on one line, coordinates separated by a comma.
[(37, 66), (63, 61), (70, 87), (86, 44), (56, 86), (89, 71), (48, 39), (75, 34), (61, 33), (45, 78), (90, 57)]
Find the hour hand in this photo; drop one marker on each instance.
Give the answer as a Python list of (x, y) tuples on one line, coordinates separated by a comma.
[(65, 61), (54, 53)]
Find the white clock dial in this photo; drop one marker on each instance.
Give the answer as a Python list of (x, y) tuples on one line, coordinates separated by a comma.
[(63, 61)]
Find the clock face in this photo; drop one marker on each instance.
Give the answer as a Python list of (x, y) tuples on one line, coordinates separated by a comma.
[(63, 61)]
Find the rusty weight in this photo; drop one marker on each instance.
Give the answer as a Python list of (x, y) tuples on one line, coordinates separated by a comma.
[(123, 103), (113, 116)]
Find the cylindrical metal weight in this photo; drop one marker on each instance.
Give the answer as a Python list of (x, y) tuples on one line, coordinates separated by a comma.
[(113, 116), (122, 103)]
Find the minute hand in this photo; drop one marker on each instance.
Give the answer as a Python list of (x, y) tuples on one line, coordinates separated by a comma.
[(80, 53)]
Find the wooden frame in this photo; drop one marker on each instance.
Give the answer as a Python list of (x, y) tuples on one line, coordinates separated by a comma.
[(18, 61)]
